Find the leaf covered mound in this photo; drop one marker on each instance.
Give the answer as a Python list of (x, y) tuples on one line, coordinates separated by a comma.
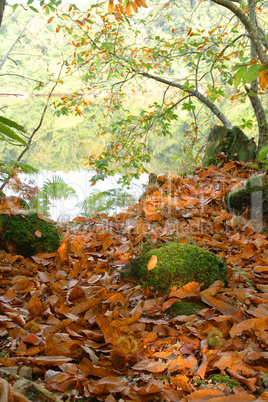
[(28, 235), (177, 265)]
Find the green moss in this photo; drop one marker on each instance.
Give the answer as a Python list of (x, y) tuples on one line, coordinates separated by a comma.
[(252, 198), (18, 235), (177, 264), (185, 308), (239, 200), (232, 142), (218, 378)]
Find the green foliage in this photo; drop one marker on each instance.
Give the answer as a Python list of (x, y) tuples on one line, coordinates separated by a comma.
[(248, 74), (262, 158), (8, 167), (7, 132), (28, 235), (246, 123), (182, 63), (105, 201), (54, 189), (177, 265), (57, 188), (224, 379)]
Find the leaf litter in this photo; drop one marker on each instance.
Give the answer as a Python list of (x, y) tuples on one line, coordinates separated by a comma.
[(71, 330)]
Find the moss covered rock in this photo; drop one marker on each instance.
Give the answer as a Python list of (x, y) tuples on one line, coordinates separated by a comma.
[(252, 198), (28, 235), (177, 264), (232, 142)]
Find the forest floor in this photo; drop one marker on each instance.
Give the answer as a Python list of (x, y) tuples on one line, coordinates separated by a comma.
[(71, 330)]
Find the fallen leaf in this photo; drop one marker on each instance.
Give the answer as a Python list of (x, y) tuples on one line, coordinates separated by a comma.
[(152, 263)]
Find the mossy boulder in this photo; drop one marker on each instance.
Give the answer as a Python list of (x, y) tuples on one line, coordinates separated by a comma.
[(177, 265), (232, 142), (28, 235), (253, 199)]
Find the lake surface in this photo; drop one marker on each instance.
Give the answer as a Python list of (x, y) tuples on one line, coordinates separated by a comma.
[(66, 210)]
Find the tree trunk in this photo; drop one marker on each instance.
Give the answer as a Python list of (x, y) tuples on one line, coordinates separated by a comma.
[(2, 7), (254, 99)]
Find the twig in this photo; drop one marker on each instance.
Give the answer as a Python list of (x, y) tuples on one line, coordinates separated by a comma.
[(28, 383), (14, 44)]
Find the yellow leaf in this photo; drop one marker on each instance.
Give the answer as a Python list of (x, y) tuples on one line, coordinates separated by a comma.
[(128, 9), (152, 263), (134, 6), (143, 3), (110, 6)]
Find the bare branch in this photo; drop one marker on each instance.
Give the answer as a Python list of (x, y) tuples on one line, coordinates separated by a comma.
[(14, 44), (194, 93), (42, 117), (21, 76)]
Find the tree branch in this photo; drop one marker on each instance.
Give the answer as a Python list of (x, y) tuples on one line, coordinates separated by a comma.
[(21, 76), (16, 41), (191, 92), (247, 24), (42, 117)]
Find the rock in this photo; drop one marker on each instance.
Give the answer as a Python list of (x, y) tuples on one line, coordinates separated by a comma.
[(232, 142), (177, 265), (253, 199), (28, 235)]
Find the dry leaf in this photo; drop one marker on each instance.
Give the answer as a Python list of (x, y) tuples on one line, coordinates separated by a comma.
[(152, 263)]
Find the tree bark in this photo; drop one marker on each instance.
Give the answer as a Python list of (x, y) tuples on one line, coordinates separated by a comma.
[(253, 92), (2, 7)]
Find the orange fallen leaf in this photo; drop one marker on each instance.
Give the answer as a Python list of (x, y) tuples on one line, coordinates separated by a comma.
[(152, 263)]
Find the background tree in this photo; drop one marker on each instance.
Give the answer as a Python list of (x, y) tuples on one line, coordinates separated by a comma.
[(192, 59), (2, 8), (10, 131)]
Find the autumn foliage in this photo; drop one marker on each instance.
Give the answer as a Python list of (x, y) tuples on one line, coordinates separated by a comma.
[(72, 327)]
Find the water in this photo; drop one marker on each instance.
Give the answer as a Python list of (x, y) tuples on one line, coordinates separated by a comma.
[(66, 210)]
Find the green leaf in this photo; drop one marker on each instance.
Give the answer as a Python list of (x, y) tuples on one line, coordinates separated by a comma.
[(175, 158), (34, 9), (14, 7), (263, 153), (239, 76), (11, 123), (30, 2), (9, 133), (254, 165), (25, 167), (253, 71)]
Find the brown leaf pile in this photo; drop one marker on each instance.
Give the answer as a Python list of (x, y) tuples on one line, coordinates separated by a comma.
[(81, 332)]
